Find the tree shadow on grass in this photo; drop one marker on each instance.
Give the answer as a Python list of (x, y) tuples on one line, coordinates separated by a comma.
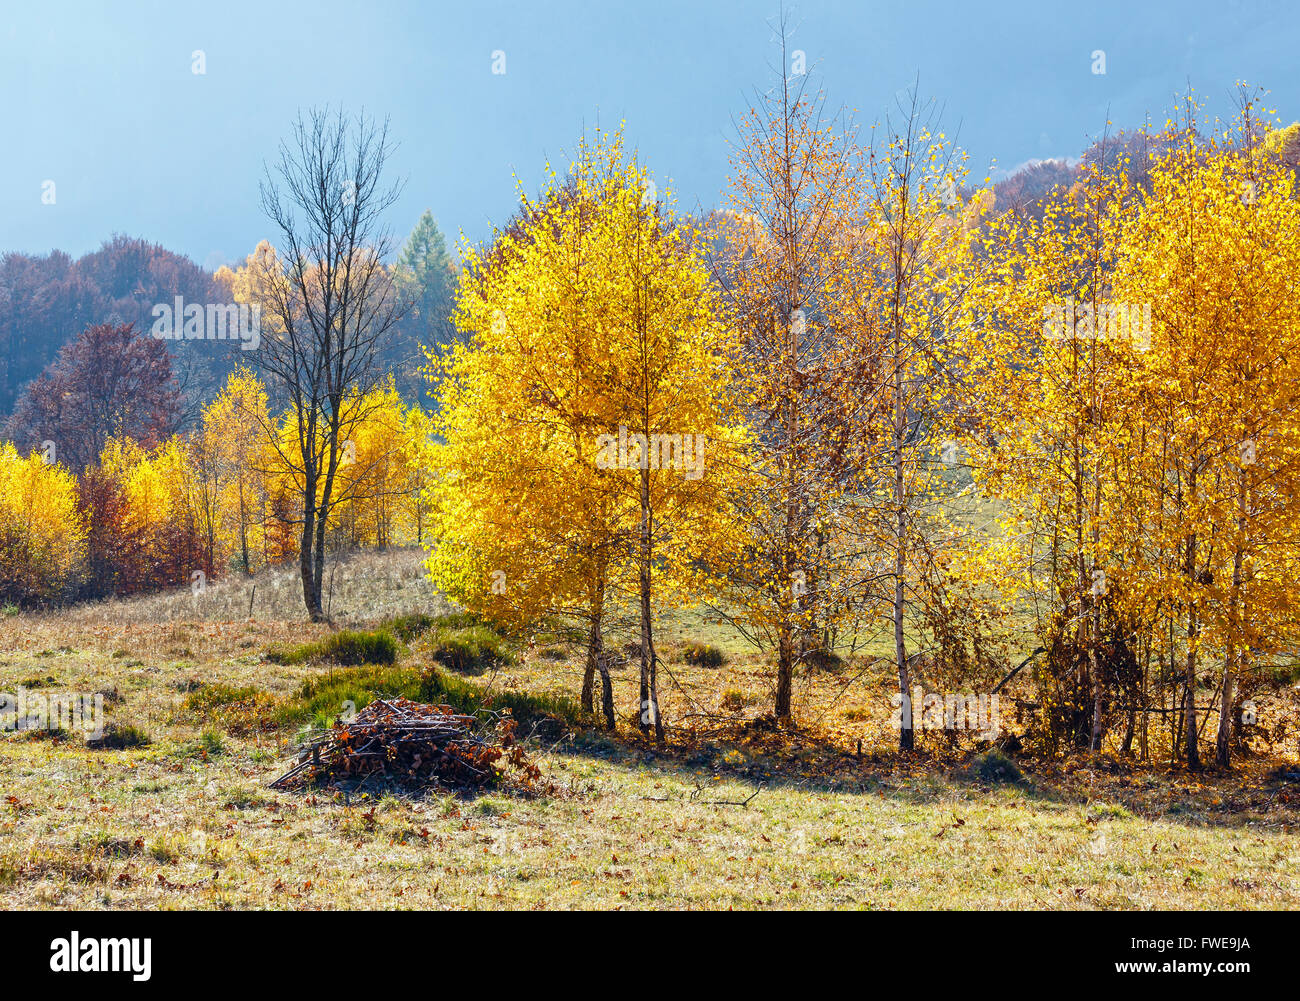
[(756, 753), (1256, 792)]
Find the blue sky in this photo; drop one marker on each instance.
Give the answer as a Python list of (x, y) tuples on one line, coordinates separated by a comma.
[(101, 98)]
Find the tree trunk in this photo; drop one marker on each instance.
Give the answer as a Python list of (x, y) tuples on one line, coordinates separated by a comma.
[(589, 684), (595, 649), (606, 695), (1094, 670), (784, 670), (1094, 630), (1193, 633), (1223, 743), (1144, 746), (906, 734), (307, 565), (1189, 701), (789, 611), (649, 673), (1189, 697), (243, 531), (318, 560)]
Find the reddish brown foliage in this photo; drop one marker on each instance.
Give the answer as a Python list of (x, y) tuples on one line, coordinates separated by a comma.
[(109, 382)]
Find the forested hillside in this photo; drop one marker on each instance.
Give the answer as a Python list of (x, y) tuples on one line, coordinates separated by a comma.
[(48, 300)]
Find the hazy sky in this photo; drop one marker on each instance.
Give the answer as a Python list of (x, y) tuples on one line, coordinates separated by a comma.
[(102, 100)]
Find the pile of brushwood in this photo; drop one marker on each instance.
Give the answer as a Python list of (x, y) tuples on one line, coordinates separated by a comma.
[(397, 742)]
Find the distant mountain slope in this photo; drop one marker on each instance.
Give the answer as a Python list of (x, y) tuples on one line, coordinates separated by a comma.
[(47, 301)]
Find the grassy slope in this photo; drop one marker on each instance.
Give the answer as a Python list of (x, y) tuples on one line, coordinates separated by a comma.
[(188, 821)]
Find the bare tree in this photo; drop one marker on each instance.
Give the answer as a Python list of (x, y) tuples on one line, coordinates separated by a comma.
[(332, 304)]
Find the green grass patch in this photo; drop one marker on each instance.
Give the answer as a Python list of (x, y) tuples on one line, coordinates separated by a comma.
[(39, 733), (323, 699), (346, 647), (459, 620), (470, 698), (409, 628), (470, 649), (353, 648), (204, 699), (211, 744), (1107, 811), (117, 736), (239, 710)]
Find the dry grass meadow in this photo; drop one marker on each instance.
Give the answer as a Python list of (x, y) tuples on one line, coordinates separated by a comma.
[(736, 816)]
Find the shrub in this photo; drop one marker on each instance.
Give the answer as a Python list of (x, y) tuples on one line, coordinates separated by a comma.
[(994, 766), (824, 660), (319, 701), (703, 655)]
